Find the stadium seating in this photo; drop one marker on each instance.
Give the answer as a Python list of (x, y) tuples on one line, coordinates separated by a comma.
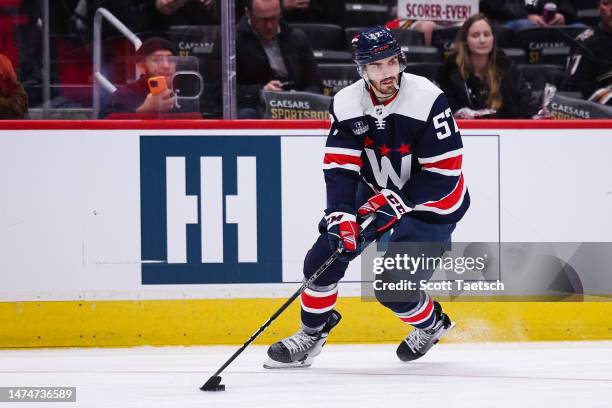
[(567, 94), (555, 56), (539, 75), (427, 69), (589, 17), (323, 36), (504, 36), (366, 15), (517, 55), (409, 37), (332, 56), (337, 76), (186, 38), (587, 12), (199, 42), (534, 40), (570, 108), (421, 54), (443, 38)]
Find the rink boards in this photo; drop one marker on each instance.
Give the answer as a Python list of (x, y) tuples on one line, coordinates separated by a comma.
[(131, 232)]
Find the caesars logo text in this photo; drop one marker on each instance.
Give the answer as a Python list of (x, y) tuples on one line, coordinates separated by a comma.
[(278, 113)]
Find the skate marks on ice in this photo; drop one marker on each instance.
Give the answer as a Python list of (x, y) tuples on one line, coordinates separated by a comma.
[(470, 375)]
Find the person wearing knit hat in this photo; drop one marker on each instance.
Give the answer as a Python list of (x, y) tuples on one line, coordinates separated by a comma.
[(155, 57)]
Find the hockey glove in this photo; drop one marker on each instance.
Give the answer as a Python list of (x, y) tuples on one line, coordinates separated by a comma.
[(343, 232), (389, 207)]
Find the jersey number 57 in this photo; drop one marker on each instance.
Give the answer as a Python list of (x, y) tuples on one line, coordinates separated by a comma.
[(441, 122)]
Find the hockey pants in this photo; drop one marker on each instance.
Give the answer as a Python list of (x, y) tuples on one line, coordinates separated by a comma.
[(414, 307)]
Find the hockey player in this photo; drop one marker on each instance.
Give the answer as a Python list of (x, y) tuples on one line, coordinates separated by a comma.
[(394, 149)]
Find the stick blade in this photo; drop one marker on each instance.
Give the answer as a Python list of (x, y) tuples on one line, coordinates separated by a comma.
[(213, 384)]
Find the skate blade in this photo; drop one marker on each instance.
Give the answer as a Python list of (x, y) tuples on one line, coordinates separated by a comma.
[(445, 331), (274, 365)]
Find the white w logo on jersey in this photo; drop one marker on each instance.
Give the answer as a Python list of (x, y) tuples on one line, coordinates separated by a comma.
[(385, 171)]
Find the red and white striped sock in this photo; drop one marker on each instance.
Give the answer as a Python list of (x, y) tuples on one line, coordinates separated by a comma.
[(317, 304), (422, 316)]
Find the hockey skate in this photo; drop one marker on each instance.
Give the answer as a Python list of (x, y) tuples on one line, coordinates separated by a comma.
[(420, 341), (299, 350)]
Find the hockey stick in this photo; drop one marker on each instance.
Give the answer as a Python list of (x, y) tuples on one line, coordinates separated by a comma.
[(214, 382)]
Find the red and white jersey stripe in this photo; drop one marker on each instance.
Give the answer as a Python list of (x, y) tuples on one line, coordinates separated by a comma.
[(419, 315), (448, 203), (447, 164), (318, 302), (343, 158)]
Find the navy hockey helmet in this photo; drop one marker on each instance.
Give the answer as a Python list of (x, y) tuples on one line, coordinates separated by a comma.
[(374, 44)]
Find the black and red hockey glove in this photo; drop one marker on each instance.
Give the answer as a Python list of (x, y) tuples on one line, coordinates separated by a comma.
[(389, 207), (343, 232)]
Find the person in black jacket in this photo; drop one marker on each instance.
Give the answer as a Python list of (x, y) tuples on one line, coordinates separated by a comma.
[(589, 65), (479, 81), (271, 56), (519, 14)]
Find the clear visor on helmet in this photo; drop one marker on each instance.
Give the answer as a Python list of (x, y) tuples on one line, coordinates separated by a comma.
[(384, 68)]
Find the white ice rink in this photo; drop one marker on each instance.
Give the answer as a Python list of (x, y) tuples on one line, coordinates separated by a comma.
[(515, 375)]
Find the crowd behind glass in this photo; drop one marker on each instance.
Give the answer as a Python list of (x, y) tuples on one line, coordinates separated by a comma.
[(494, 64)]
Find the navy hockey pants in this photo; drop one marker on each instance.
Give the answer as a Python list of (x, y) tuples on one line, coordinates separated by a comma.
[(415, 309)]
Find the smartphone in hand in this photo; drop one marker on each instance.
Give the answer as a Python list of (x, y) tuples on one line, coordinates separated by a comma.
[(157, 85)]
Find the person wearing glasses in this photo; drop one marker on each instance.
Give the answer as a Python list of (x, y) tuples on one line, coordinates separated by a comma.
[(156, 57), (271, 56)]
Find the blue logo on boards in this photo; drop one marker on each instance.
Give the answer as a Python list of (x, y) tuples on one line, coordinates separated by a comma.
[(210, 209)]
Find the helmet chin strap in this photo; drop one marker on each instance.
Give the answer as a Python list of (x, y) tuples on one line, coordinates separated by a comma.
[(396, 84)]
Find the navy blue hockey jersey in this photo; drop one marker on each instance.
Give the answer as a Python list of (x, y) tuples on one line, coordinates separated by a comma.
[(411, 143)]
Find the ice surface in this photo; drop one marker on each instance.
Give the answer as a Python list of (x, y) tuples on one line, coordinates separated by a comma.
[(551, 374)]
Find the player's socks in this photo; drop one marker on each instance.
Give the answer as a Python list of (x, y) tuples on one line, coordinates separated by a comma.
[(300, 349), (317, 302), (421, 340), (421, 315)]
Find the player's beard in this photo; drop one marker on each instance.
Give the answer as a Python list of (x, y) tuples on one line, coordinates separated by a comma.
[(385, 88)]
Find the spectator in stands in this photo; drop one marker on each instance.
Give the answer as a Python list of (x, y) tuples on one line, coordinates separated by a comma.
[(13, 98), (313, 11), (480, 81), (156, 57), (271, 56), (520, 14), (427, 27), (590, 64)]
